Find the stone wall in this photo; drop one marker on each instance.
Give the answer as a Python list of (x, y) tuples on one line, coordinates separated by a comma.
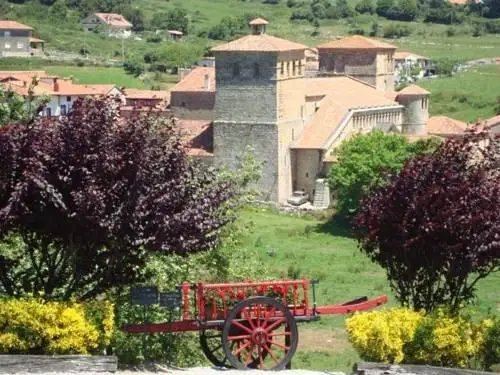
[(231, 140), (308, 166), (385, 71), (193, 100), (416, 113)]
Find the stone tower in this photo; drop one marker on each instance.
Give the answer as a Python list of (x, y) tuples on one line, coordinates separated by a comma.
[(368, 60), (416, 113), (259, 103)]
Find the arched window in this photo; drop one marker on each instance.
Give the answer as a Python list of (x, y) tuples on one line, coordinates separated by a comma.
[(288, 68), (236, 70), (294, 68), (300, 67), (282, 72), (256, 70)]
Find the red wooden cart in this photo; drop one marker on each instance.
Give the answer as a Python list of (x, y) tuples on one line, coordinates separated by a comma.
[(250, 324)]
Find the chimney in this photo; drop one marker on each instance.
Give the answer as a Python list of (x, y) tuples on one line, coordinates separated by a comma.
[(206, 86), (56, 84)]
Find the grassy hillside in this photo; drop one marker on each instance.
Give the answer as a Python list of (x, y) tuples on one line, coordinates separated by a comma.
[(305, 247), (428, 39), (466, 96)]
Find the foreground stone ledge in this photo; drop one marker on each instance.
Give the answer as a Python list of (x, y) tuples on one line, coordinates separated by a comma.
[(369, 368), (58, 363)]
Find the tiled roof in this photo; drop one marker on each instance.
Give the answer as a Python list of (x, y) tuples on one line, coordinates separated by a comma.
[(13, 25), (356, 42), (175, 32), (443, 125), (198, 135), (491, 122), (401, 55), (146, 94), (413, 90), (342, 95), (63, 87), (258, 21), (113, 19), (260, 43), (195, 80), (458, 2), (36, 40), (21, 74)]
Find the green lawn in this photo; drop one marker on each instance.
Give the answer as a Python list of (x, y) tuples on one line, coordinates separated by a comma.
[(466, 96), (306, 247)]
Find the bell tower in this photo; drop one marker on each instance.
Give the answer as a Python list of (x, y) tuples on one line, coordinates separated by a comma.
[(254, 107)]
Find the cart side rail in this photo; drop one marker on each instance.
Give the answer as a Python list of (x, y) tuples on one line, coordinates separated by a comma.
[(361, 304)]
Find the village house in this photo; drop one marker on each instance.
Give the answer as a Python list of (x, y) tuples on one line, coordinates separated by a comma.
[(406, 62), (259, 96), (175, 34), (17, 40), (112, 24), (62, 92)]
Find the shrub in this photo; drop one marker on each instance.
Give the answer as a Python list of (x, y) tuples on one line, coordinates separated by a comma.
[(380, 336), (396, 31), (443, 340), (491, 346), (435, 229), (365, 6), (32, 326)]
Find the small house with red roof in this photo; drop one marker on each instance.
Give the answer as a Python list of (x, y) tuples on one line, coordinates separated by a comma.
[(17, 40), (113, 24)]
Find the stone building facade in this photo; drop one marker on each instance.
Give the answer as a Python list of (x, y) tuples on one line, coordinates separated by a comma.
[(368, 60), (293, 121)]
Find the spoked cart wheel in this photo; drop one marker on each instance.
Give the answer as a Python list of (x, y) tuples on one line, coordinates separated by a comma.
[(260, 332), (211, 344)]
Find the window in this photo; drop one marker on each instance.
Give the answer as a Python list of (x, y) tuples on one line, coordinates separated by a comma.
[(288, 68), (422, 103), (300, 67), (63, 110), (282, 69), (236, 70), (256, 70), (6, 33), (68, 98), (20, 45), (7, 45), (294, 68), (48, 112)]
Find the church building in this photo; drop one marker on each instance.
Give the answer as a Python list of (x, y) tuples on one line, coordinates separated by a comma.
[(263, 99)]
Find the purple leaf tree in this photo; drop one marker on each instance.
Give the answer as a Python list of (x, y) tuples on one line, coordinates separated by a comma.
[(89, 196), (436, 228)]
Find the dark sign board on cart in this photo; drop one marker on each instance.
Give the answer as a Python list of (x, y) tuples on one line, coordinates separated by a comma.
[(170, 300), (144, 295)]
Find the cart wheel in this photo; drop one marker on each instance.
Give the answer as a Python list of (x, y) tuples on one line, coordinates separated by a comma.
[(265, 334), (211, 345)]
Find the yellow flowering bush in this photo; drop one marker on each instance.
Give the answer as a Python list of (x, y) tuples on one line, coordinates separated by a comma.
[(402, 335), (447, 341), (381, 335), (37, 327)]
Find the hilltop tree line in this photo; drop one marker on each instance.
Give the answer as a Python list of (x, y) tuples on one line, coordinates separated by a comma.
[(436, 11)]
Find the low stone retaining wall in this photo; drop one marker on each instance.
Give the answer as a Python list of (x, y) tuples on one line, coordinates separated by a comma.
[(368, 368), (12, 364)]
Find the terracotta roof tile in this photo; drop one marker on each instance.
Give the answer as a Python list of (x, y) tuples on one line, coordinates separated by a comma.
[(22, 75), (458, 2), (260, 43), (443, 125), (401, 55), (113, 19), (413, 90), (198, 135), (341, 95), (146, 94), (491, 122), (36, 40), (195, 80), (356, 42), (13, 25), (258, 21)]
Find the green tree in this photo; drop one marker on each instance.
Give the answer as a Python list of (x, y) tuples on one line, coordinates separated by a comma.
[(369, 161), (407, 10), (15, 108), (365, 6), (175, 19), (384, 6), (175, 55)]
